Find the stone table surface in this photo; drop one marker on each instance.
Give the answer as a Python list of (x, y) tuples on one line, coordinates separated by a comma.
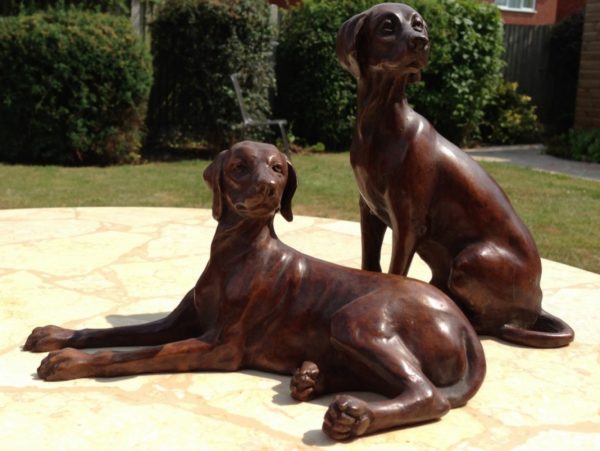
[(102, 267)]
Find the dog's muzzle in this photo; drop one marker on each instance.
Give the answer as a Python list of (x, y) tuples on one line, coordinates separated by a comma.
[(263, 201)]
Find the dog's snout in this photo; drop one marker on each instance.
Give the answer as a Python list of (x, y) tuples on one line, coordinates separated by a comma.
[(418, 42), (264, 181), (266, 187)]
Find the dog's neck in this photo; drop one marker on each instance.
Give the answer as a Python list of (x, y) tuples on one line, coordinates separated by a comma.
[(236, 236), (382, 103)]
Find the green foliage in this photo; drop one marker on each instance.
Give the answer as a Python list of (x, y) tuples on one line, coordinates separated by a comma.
[(577, 144), (197, 45), (318, 96), (464, 66), (510, 118), (73, 88), (314, 93), (561, 211), (14, 7)]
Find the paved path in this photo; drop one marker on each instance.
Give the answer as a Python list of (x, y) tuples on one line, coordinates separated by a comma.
[(532, 156), (101, 267)]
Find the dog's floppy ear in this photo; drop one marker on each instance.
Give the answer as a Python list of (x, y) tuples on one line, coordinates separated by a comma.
[(288, 193), (346, 44), (413, 78), (212, 177)]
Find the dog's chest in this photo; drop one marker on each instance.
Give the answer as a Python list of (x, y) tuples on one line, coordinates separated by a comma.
[(256, 280), (372, 176)]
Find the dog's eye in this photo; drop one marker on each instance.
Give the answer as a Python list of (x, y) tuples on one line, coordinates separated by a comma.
[(417, 24), (388, 27), (277, 168), (240, 168)]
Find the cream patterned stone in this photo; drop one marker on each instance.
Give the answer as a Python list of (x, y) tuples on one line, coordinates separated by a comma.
[(102, 267)]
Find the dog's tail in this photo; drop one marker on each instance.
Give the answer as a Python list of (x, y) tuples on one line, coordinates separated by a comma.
[(548, 331), (459, 393)]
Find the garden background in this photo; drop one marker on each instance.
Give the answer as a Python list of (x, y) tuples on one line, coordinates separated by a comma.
[(81, 91)]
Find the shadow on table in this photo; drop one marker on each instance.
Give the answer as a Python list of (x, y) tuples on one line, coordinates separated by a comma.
[(130, 320)]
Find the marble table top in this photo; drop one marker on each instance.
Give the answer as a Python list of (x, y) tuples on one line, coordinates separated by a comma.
[(102, 267)]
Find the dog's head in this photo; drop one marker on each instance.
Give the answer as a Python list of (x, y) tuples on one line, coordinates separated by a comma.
[(252, 179), (390, 37)]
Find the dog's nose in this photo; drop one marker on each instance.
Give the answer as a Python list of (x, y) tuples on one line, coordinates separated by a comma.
[(266, 187), (418, 42)]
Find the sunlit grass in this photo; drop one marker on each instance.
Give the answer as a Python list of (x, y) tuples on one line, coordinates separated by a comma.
[(562, 212)]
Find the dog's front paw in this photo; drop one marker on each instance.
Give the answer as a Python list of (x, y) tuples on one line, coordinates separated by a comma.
[(48, 338), (307, 382), (347, 417), (65, 364)]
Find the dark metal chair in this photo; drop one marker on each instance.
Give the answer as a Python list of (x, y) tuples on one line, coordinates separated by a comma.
[(249, 122)]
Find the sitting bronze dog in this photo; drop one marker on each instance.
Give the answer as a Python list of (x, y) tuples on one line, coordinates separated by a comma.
[(260, 304), (437, 200)]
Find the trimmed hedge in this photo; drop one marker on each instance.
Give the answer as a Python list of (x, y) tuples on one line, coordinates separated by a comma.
[(14, 7), (313, 92), (197, 45), (318, 96), (465, 65), (73, 88)]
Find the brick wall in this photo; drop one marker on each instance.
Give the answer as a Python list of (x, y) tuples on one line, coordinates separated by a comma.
[(567, 8), (544, 14), (587, 110), (547, 12)]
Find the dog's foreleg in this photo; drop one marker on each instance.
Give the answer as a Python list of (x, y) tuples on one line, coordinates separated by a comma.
[(180, 356), (180, 324), (407, 228), (372, 232), (404, 240)]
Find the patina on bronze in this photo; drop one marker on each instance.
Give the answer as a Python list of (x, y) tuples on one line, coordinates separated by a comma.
[(260, 304), (438, 201)]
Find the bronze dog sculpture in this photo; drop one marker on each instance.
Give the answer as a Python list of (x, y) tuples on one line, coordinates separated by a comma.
[(438, 202), (260, 304)]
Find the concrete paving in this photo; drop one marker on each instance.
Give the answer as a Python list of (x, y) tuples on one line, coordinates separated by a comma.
[(533, 156), (102, 267)]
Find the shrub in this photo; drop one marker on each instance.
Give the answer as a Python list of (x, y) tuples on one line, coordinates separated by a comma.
[(577, 144), (313, 92), (73, 87), (14, 7), (509, 118), (319, 97), (465, 65), (197, 45)]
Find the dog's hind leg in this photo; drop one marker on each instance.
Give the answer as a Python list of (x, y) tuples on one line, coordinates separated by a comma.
[(499, 292), (417, 399), (377, 354), (180, 324)]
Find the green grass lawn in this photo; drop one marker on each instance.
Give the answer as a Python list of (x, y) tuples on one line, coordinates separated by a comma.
[(563, 213)]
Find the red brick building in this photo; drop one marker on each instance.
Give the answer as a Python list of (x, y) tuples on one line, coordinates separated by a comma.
[(516, 12), (537, 12)]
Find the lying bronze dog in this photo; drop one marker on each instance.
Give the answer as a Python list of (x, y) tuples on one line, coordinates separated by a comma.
[(437, 200), (260, 304)]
